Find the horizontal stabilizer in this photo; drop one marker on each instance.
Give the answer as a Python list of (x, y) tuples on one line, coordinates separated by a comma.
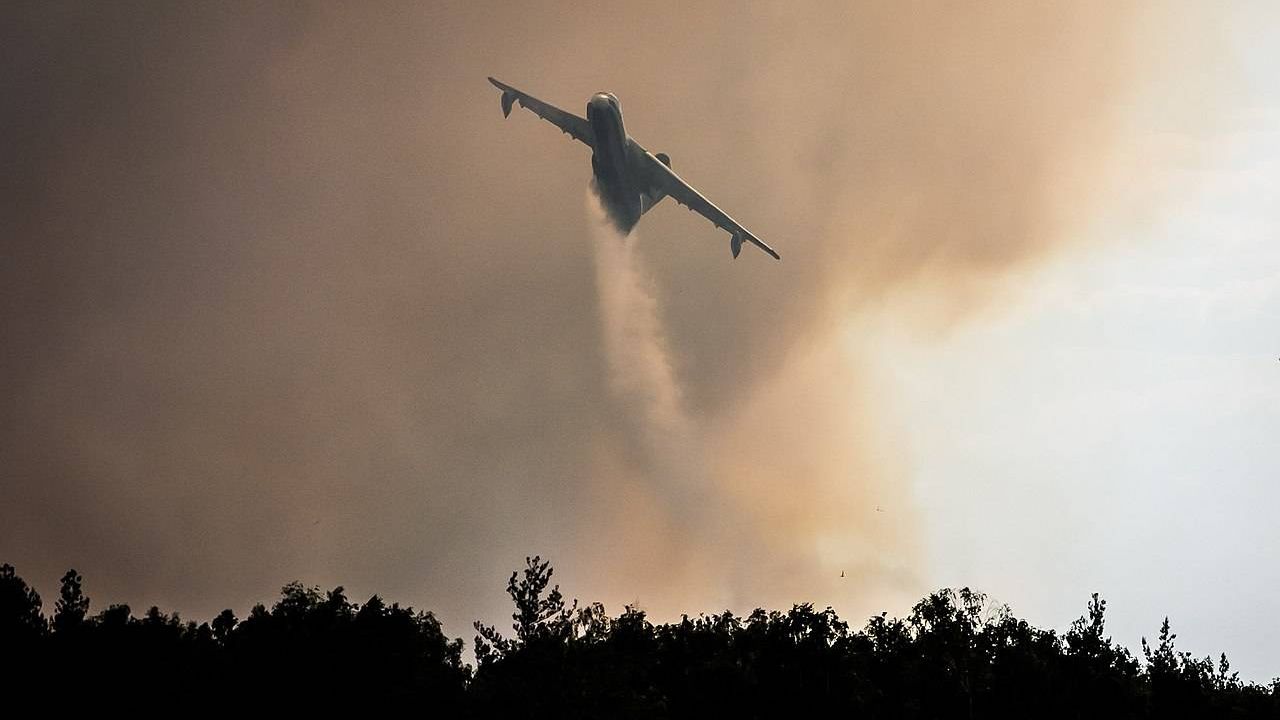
[(649, 198)]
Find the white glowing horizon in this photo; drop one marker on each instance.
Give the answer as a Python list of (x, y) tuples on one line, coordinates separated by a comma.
[(1115, 428)]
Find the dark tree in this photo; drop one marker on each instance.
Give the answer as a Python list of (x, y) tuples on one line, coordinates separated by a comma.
[(72, 605), (20, 618), (956, 655), (1105, 677), (537, 617), (223, 625)]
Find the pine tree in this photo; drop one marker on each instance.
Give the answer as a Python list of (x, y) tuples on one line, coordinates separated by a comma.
[(72, 605)]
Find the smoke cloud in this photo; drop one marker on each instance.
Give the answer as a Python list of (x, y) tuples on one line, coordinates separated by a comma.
[(665, 447), (286, 297)]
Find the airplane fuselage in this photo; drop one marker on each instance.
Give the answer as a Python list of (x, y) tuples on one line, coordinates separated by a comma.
[(609, 163)]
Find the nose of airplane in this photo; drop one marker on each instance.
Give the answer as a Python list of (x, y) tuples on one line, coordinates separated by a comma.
[(599, 103)]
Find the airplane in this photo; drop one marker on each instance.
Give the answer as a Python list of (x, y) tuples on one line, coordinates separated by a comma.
[(629, 179)]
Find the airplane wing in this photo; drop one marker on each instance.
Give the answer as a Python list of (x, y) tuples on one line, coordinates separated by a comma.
[(658, 176), (575, 126)]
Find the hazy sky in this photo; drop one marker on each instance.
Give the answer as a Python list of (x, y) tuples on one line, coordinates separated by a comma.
[(1117, 426), (284, 296)]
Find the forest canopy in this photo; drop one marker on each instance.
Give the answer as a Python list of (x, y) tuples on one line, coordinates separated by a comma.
[(956, 655)]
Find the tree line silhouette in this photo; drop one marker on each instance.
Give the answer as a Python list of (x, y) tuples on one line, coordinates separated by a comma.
[(955, 655)]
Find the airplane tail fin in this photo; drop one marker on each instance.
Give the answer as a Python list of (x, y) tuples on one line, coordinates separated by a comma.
[(653, 195), (650, 198)]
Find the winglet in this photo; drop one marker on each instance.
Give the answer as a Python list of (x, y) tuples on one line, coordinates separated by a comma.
[(508, 97)]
